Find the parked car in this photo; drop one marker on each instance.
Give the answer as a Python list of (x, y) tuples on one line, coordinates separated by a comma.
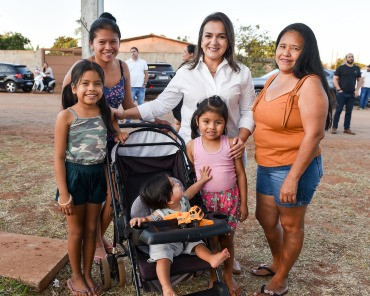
[(259, 82), (14, 76), (160, 74)]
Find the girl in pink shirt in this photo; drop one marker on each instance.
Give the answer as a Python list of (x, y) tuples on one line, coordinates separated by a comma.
[(226, 192)]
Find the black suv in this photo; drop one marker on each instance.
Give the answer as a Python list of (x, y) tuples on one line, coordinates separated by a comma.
[(13, 76), (160, 74)]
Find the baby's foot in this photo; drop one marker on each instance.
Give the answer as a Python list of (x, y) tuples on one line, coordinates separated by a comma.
[(100, 253), (218, 258)]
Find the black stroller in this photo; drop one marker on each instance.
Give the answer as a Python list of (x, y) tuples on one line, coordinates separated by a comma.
[(150, 150)]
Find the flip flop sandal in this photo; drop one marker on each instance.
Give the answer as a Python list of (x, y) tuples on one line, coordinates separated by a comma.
[(75, 291), (237, 292), (97, 289), (97, 259), (263, 267), (272, 293)]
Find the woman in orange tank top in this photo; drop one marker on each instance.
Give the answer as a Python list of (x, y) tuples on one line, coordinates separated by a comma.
[(291, 115)]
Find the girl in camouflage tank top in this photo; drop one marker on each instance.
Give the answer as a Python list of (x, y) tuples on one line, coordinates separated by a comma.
[(80, 149)]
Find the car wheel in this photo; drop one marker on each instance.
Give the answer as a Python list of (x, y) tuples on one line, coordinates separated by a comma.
[(257, 91), (27, 89), (10, 86)]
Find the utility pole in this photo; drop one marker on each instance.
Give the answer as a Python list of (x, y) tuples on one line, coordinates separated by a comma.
[(90, 11)]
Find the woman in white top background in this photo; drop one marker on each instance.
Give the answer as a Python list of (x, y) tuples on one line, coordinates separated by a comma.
[(214, 71)]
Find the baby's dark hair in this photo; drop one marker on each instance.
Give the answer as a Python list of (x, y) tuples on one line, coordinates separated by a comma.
[(213, 104), (69, 98), (156, 193)]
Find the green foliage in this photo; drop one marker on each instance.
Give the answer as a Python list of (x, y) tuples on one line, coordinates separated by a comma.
[(184, 39), (255, 49), (12, 287), (13, 41), (65, 42)]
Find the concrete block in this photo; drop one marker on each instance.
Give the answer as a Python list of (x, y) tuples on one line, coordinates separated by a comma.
[(32, 260)]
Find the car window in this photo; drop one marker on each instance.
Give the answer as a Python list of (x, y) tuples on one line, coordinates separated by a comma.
[(269, 74), (3, 68), (160, 68), (22, 70)]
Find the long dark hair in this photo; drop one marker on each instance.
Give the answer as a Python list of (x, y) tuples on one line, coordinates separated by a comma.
[(69, 98), (309, 61), (213, 104), (157, 191), (229, 54), (105, 21)]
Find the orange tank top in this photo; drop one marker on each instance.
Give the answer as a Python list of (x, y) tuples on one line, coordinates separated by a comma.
[(279, 130)]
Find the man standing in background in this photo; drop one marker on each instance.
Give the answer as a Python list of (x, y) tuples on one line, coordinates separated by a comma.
[(345, 78), (139, 75), (365, 89)]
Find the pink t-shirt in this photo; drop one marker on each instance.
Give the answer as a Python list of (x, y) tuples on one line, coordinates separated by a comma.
[(223, 166)]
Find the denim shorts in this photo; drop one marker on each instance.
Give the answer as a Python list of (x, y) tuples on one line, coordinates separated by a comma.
[(270, 179), (86, 183)]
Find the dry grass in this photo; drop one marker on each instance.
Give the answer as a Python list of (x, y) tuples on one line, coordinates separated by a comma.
[(334, 259)]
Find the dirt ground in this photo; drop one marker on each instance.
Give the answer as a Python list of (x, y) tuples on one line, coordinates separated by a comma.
[(335, 256)]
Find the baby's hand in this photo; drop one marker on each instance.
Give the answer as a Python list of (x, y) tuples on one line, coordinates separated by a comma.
[(121, 137), (138, 221), (205, 173)]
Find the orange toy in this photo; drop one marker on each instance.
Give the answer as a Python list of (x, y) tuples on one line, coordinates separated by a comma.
[(193, 218)]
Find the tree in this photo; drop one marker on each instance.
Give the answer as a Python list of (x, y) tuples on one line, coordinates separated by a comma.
[(184, 39), (255, 49), (13, 41), (65, 42)]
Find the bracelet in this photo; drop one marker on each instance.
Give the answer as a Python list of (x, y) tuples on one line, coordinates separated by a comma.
[(67, 203)]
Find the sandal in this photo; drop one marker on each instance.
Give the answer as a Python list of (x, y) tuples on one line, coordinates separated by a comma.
[(263, 267), (272, 293), (96, 290), (76, 291), (236, 292)]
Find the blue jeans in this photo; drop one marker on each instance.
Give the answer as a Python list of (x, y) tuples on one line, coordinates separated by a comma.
[(365, 93), (138, 94), (348, 99)]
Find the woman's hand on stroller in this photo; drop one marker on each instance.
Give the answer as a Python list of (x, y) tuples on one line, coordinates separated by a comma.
[(121, 137), (138, 221)]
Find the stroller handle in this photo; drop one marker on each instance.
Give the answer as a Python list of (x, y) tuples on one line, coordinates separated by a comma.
[(154, 125)]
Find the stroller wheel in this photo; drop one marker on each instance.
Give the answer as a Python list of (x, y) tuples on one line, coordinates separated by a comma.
[(105, 273), (121, 271)]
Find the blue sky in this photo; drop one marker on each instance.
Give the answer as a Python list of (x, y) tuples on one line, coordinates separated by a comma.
[(339, 26)]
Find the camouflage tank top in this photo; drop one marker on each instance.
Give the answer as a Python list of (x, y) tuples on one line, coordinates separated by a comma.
[(86, 142)]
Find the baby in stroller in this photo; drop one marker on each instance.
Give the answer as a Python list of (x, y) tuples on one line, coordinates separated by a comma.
[(165, 197)]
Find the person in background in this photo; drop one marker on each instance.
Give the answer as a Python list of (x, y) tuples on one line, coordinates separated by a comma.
[(104, 40), (345, 78), (291, 115), (365, 89), (48, 71), (139, 75), (186, 57)]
